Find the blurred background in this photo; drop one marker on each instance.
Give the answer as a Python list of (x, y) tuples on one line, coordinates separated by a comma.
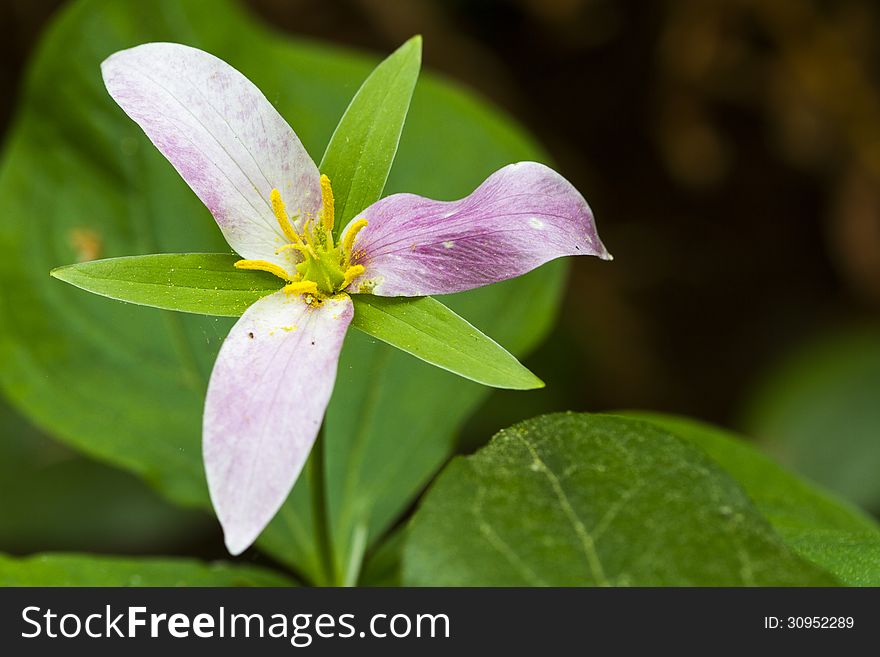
[(731, 153)]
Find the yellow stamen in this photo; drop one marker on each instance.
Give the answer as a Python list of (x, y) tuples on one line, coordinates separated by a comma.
[(301, 287), (281, 215), (324, 268), (351, 234), (352, 273), (327, 214), (307, 249), (263, 265), (308, 235)]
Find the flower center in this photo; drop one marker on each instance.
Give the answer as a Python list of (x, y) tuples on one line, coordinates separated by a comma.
[(324, 267)]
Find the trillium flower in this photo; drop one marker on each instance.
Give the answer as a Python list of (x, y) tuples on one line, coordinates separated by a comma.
[(274, 375)]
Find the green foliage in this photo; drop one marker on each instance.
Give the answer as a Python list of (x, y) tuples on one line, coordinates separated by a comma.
[(382, 566), (819, 414), (203, 283), (594, 500), (82, 570), (392, 420), (427, 329), (208, 283), (362, 149), (126, 385), (822, 529), (54, 499)]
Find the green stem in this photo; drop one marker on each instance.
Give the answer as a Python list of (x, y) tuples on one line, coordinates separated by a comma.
[(356, 555), (318, 479)]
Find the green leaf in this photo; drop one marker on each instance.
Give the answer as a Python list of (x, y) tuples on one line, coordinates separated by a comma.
[(583, 500), (55, 499), (427, 329), (393, 420), (382, 566), (821, 528), (362, 148), (126, 384), (818, 414), (208, 283), (87, 570), (203, 283)]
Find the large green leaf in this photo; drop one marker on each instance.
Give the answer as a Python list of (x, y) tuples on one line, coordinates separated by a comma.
[(819, 414), (126, 384), (208, 283), (88, 570), (362, 148), (822, 529), (55, 499), (593, 500)]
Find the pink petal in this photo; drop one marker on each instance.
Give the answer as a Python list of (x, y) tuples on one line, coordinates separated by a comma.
[(221, 134), (521, 217), (266, 400)]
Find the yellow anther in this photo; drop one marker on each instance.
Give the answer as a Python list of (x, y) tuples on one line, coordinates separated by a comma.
[(263, 265), (305, 249), (351, 234), (327, 214), (281, 215), (301, 287), (352, 273), (288, 247), (324, 267)]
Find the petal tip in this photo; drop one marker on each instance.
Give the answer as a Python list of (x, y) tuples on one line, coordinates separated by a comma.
[(237, 542)]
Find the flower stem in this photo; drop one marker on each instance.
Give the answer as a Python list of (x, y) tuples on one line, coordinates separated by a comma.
[(318, 480)]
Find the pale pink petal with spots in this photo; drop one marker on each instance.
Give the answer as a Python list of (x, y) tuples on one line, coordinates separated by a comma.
[(522, 216), (266, 399), (222, 135)]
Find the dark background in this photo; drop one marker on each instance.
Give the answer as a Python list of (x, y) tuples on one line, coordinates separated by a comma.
[(730, 150)]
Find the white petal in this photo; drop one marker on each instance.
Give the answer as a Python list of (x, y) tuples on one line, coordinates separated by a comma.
[(222, 135), (266, 399)]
